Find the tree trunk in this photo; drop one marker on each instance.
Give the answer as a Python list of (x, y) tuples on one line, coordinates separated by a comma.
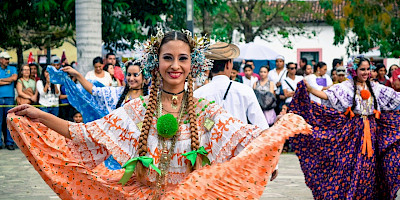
[(88, 33), (20, 56)]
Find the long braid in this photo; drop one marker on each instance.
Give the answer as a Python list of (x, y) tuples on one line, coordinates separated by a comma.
[(147, 123), (122, 97), (373, 94), (195, 144), (355, 92)]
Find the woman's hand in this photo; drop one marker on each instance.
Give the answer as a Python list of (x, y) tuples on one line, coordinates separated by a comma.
[(27, 110), (307, 85), (71, 71)]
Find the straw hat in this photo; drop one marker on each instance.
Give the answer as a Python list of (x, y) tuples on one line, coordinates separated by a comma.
[(222, 51)]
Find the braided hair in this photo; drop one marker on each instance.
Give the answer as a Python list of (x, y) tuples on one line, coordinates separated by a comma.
[(152, 107), (369, 86), (126, 88)]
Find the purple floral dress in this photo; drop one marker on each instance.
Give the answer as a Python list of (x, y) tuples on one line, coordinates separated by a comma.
[(331, 158)]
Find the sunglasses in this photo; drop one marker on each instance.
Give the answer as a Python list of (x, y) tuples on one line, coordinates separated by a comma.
[(341, 70), (291, 68)]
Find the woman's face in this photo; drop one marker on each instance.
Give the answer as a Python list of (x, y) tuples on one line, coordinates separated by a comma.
[(374, 74), (322, 70), (33, 70), (98, 68), (382, 72), (46, 75), (334, 76), (263, 73), (26, 71), (134, 77), (363, 71), (78, 118), (174, 63), (111, 70)]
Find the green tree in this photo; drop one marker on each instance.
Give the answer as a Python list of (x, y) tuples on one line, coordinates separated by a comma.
[(366, 24)]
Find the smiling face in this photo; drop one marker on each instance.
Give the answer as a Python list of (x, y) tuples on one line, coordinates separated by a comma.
[(26, 71), (363, 71), (134, 77), (174, 63)]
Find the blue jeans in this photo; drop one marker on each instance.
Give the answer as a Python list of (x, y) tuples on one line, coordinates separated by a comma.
[(51, 110), (3, 114)]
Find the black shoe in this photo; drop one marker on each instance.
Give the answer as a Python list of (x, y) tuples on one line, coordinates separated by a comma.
[(10, 147)]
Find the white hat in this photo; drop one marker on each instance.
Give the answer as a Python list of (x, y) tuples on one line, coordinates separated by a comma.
[(280, 57), (4, 55)]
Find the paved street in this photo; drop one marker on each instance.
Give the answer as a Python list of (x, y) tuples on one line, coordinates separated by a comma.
[(19, 180)]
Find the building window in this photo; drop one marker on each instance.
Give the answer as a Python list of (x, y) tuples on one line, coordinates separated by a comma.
[(310, 54)]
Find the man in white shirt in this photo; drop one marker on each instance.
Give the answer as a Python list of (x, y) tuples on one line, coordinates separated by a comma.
[(277, 75), (289, 84), (236, 98)]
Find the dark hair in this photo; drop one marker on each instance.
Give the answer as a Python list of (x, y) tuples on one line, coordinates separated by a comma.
[(304, 60), (333, 70), (22, 68), (174, 35), (291, 63), (390, 70), (265, 66), (43, 78), (98, 59), (249, 61), (379, 66), (105, 68), (109, 54), (219, 66), (236, 66), (126, 89), (247, 66), (319, 65), (335, 62)]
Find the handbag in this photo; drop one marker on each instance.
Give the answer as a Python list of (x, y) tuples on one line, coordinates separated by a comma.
[(266, 100), (28, 91)]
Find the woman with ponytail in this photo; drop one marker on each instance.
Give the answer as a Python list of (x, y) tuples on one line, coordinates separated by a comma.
[(164, 140), (353, 152)]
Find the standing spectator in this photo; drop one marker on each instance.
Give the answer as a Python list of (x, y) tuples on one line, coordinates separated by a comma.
[(98, 73), (26, 87), (118, 73), (235, 73), (55, 61), (289, 84), (341, 75), (392, 68), (277, 75), (334, 76), (48, 93), (319, 80), (266, 88), (336, 63), (248, 78), (34, 71), (77, 117), (8, 75), (251, 62), (374, 74), (313, 63), (110, 69), (302, 67), (309, 70), (381, 69)]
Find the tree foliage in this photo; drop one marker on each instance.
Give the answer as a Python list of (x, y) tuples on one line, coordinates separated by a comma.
[(366, 24)]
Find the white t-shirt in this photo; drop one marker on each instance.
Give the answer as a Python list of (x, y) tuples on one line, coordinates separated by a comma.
[(47, 98), (292, 83), (106, 80), (312, 81), (275, 77), (249, 82)]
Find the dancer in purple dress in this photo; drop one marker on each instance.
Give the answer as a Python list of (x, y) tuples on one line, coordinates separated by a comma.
[(354, 151)]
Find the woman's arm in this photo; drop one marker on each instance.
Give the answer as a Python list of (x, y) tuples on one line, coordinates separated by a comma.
[(41, 90), (254, 85), (49, 120), (20, 92), (85, 83), (316, 92)]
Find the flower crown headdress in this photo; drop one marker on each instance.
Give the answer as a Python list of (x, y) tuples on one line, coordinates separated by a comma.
[(199, 62), (353, 64)]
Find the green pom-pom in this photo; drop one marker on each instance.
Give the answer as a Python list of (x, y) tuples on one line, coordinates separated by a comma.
[(167, 126)]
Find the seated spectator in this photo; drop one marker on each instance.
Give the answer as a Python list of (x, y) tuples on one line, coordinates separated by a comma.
[(319, 80), (98, 73), (118, 72), (26, 87), (341, 74), (48, 93), (110, 69), (235, 73), (248, 78), (266, 89), (34, 71), (289, 84), (381, 69)]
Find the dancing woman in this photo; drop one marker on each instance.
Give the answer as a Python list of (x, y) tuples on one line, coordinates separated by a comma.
[(164, 139), (353, 152)]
